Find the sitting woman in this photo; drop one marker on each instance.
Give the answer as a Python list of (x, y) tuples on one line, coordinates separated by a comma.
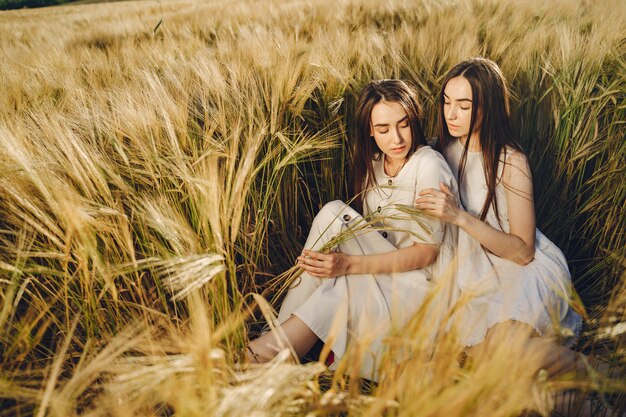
[(365, 273), (519, 277)]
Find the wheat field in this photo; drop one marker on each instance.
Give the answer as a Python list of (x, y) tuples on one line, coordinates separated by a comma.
[(160, 163)]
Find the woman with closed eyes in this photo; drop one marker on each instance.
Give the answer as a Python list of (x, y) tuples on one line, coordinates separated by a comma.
[(380, 272), (520, 279)]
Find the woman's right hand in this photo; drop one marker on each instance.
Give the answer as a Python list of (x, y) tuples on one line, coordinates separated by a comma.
[(439, 203), (324, 265)]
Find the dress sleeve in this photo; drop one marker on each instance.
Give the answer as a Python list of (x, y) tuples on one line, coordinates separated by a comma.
[(431, 170)]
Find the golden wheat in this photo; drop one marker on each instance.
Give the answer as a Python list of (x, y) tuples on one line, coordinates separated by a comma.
[(150, 180)]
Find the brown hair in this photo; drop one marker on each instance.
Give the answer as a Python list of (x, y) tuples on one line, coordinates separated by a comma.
[(365, 149), (490, 115)]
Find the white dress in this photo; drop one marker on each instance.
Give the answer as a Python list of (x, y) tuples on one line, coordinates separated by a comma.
[(537, 294), (360, 309)]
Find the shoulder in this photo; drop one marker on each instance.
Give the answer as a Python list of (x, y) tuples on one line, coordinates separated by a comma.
[(427, 156), (513, 156), (516, 176), (430, 163), (515, 163)]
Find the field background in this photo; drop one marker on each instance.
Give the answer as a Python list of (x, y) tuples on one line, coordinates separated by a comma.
[(152, 180)]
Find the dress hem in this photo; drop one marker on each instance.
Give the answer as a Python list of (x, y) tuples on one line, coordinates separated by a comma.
[(568, 341)]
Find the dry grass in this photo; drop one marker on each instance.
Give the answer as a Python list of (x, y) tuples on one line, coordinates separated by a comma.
[(149, 182)]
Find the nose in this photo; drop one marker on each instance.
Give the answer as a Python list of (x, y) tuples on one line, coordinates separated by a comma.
[(397, 137), (451, 114)]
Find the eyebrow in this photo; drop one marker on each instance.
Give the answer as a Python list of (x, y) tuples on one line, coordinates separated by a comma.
[(387, 124), (461, 99)]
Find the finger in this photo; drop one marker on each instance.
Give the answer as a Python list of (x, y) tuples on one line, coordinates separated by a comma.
[(429, 201), (429, 210), (428, 206), (445, 188), (423, 200), (313, 270), (430, 191), (304, 259), (310, 261), (311, 254)]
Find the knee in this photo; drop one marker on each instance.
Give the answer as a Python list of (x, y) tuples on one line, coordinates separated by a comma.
[(333, 209), (329, 222), (337, 210)]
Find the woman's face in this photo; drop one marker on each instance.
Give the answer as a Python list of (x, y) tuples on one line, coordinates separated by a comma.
[(457, 106), (391, 130)]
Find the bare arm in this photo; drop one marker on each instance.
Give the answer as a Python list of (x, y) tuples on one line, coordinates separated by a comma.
[(519, 244), (329, 265), (432, 169)]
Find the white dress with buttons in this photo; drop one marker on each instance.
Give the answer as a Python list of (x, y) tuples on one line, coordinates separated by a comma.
[(361, 308), (536, 294)]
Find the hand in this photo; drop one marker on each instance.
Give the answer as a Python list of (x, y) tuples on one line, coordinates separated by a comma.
[(439, 203), (324, 265)]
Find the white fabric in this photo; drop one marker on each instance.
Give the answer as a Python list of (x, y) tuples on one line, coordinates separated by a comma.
[(537, 294), (362, 308)]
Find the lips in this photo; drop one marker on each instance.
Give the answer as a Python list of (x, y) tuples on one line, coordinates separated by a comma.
[(399, 149), (451, 126)]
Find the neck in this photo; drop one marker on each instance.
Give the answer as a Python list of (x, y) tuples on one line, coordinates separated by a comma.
[(393, 167), (474, 145)]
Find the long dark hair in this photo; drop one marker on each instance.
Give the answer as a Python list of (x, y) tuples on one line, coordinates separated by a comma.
[(365, 149), (491, 116)]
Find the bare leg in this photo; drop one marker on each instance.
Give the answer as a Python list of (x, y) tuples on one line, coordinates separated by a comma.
[(296, 334), (558, 359)]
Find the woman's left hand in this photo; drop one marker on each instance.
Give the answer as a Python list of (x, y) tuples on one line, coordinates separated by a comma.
[(439, 203), (324, 265)]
